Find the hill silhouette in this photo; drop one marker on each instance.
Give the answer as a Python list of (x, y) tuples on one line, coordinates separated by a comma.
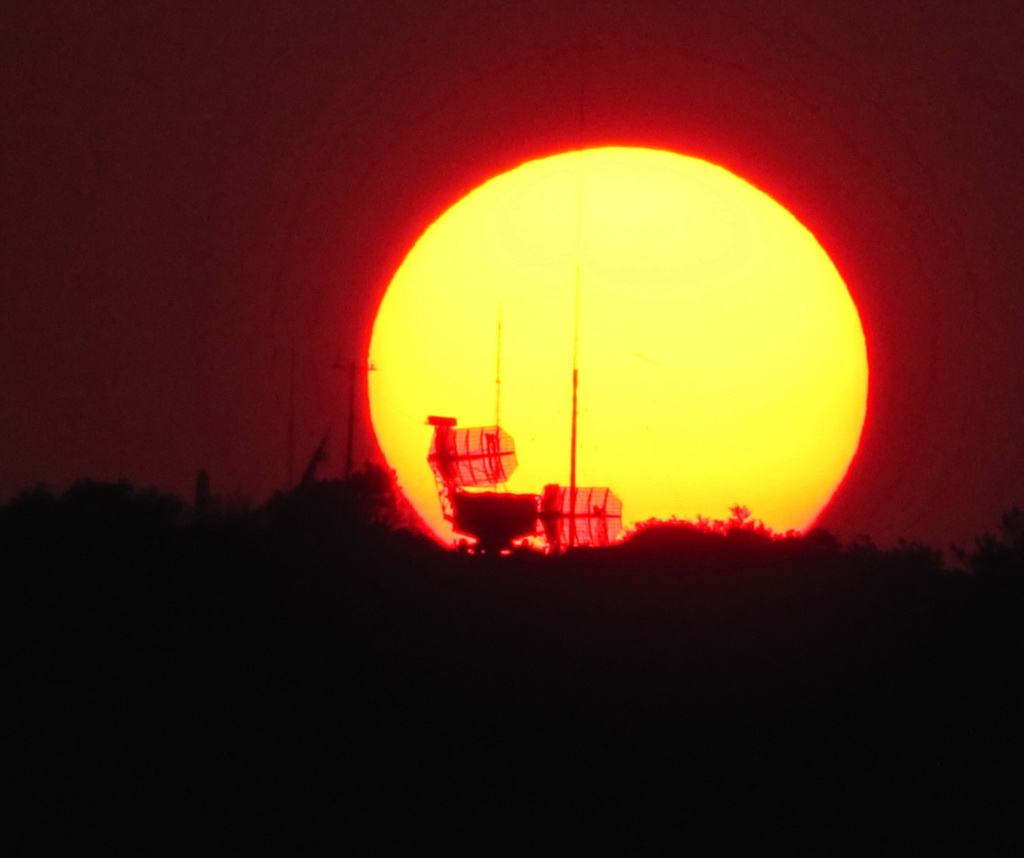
[(316, 659)]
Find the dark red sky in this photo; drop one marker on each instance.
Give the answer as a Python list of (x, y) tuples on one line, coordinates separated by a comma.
[(188, 190)]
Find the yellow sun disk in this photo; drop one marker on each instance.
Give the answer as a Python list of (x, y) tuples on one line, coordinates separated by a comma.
[(721, 357)]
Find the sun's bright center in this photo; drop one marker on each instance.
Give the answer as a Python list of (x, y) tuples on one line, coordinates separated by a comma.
[(721, 358)]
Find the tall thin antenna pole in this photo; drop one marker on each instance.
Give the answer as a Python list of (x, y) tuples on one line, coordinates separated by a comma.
[(497, 374), (576, 312), (576, 363)]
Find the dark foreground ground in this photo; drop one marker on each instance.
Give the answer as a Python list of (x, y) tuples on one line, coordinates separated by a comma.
[(295, 678)]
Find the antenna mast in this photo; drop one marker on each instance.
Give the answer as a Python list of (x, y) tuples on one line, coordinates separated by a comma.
[(352, 366), (351, 417), (576, 317)]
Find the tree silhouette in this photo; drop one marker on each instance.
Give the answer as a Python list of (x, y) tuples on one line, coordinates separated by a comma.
[(1000, 554)]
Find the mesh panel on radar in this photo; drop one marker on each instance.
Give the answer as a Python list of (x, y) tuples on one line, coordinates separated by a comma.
[(597, 515), (474, 457)]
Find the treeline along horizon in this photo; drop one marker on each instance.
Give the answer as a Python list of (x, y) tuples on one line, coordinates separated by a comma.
[(162, 652)]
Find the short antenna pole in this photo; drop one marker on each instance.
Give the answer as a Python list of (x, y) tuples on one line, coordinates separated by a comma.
[(351, 418), (497, 374)]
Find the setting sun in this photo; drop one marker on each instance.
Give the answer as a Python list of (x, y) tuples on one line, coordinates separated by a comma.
[(721, 358)]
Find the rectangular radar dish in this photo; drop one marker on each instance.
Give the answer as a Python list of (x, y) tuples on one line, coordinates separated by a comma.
[(596, 515), (476, 457)]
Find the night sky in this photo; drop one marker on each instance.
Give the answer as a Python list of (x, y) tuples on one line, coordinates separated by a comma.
[(192, 194)]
